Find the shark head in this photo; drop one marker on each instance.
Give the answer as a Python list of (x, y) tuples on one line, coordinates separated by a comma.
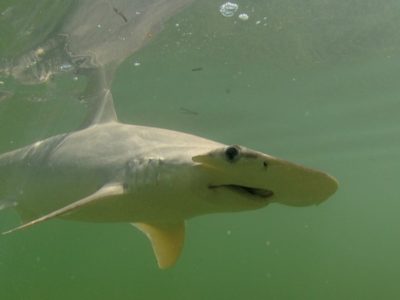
[(254, 179)]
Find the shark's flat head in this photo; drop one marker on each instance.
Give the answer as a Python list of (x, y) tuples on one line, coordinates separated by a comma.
[(254, 179)]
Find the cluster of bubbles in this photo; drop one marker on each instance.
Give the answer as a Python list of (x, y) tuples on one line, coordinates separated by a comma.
[(229, 9)]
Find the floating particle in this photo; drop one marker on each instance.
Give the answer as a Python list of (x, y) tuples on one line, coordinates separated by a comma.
[(188, 111), (39, 51), (228, 9), (119, 13), (65, 67)]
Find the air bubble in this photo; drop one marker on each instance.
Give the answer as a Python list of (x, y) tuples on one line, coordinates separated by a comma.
[(244, 17), (228, 9), (65, 67)]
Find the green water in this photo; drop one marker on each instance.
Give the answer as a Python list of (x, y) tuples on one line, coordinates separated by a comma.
[(318, 85)]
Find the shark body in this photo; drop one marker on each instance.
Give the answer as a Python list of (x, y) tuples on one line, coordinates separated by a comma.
[(112, 172), (151, 177)]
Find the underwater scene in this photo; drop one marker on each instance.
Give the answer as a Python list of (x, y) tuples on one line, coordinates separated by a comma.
[(310, 83)]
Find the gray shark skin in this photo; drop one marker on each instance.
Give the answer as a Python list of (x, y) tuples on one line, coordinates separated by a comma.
[(151, 177)]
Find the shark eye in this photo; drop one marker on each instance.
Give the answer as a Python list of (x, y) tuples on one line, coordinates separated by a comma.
[(232, 153)]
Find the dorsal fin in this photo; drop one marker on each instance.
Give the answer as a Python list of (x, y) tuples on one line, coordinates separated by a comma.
[(99, 97)]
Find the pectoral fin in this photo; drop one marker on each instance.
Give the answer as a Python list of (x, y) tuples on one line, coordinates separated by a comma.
[(106, 192), (166, 239)]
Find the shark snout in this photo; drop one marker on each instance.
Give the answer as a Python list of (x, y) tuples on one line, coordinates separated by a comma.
[(296, 185), (260, 174)]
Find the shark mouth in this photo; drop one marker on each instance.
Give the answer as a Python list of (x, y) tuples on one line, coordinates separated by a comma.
[(250, 191)]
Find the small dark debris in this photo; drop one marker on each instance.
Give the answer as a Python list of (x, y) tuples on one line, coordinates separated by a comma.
[(197, 69), (119, 13), (188, 111)]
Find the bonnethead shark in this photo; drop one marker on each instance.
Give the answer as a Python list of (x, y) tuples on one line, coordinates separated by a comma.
[(153, 178)]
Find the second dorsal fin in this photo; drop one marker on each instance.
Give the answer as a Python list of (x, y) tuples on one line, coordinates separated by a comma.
[(99, 97)]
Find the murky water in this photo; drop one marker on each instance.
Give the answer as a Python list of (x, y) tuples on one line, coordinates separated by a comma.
[(315, 82)]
